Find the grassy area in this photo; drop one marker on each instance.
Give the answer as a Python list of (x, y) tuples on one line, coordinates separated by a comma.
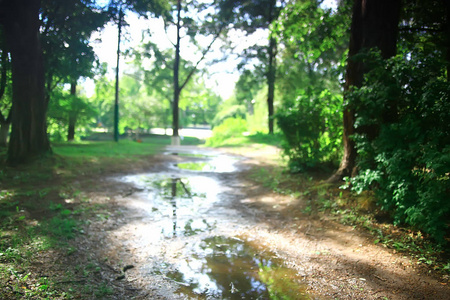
[(124, 148), (245, 140)]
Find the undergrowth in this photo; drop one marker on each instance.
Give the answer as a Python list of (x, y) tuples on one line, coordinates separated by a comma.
[(358, 210)]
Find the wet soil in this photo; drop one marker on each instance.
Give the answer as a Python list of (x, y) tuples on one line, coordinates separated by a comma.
[(191, 224)]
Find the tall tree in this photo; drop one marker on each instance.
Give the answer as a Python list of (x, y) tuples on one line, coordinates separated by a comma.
[(212, 25), (20, 21), (374, 26), (118, 9), (176, 79), (66, 29), (250, 16)]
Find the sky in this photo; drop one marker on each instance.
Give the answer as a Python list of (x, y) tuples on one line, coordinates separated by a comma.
[(221, 77)]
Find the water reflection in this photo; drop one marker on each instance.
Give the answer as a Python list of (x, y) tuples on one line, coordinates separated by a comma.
[(176, 206), (182, 208), (222, 267), (217, 164)]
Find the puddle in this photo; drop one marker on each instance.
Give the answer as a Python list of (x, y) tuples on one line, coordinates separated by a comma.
[(190, 154), (218, 164), (183, 223), (175, 206), (229, 268)]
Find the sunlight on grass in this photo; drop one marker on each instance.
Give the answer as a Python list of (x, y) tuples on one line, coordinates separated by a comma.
[(245, 140), (123, 148), (107, 149)]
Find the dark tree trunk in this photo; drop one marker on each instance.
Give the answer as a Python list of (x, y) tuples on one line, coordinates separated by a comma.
[(271, 82), (374, 25), (272, 52), (71, 129), (4, 131), (116, 98), (28, 121), (176, 84), (72, 114)]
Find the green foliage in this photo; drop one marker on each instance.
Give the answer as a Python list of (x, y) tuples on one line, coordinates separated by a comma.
[(312, 129), (403, 139), (138, 109), (317, 35), (63, 107), (230, 128), (229, 111), (315, 41), (123, 149)]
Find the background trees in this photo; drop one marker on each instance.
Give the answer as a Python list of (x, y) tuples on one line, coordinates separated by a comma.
[(251, 16), (68, 56), (314, 40), (366, 81)]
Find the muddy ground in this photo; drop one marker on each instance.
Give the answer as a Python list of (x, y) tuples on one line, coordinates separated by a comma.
[(177, 233)]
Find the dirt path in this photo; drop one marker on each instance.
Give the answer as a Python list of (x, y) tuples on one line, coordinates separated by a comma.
[(195, 226)]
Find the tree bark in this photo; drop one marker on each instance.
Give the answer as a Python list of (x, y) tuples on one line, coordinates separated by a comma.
[(72, 114), (374, 25), (271, 82), (4, 130), (272, 50), (116, 98), (176, 84), (28, 120)]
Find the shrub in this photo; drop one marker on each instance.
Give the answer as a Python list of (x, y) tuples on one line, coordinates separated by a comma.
[(230, 128), (407, 161), (312, 129)]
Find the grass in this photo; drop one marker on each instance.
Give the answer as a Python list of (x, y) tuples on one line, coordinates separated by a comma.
[(122, 149), (246, 140), (22, 240)]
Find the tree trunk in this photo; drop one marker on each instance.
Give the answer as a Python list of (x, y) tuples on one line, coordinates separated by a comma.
[(271, 81), (176, 84), (374, 25), (272, 50), (116, 98), (28, 120), (72, 114), (4, 130)]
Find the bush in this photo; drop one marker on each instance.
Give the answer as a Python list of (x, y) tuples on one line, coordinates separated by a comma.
[(312, 129), (403, 140), (230, 128)]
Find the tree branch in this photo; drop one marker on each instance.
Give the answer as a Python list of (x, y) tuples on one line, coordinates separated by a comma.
[(202, 58)]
